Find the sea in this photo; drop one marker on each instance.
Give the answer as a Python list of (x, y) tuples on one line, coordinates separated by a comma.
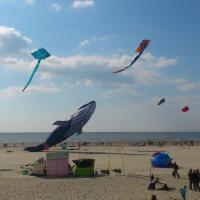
[(99, 136)]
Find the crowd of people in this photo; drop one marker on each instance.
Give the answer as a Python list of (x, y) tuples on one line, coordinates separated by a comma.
[(165, 142), (193, 176), (158, 143), (194, 179), (156, 184), (138, 143), (142, 143)]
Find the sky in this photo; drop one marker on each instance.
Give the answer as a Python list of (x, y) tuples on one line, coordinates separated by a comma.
[(87, 40)]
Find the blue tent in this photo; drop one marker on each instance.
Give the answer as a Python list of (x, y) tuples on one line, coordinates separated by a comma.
[(161, 160)]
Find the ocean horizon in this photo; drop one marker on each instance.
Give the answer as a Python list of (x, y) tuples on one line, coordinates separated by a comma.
[(19, 137)]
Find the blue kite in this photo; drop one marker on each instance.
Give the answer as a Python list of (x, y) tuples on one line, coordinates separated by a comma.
[(40, 54)]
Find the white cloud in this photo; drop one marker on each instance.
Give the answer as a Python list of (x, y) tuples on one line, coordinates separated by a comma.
[(88, 82), (103, 38), (184, 85), (42, 89), (29, 1), (178, 81), (97, 39), (57, 7), (99, 68), (82, 3), (15, 63), (79, 61), (14, 91), (84, 43), (96, 68), (91, 70), (72, 84), (147, 69), (12, 42), (46, 75), (123, 89), (160, 62), (146, 77), (10, 91)]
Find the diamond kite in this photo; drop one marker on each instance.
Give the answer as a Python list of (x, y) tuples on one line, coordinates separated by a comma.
[(40, 54)]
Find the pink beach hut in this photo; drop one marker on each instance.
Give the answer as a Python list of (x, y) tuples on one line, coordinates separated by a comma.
[(57, 164)]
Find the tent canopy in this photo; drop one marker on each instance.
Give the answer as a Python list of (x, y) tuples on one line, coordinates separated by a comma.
[(161, 159)]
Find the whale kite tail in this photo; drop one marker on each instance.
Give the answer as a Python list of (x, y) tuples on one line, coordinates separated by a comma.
[(38, 148)]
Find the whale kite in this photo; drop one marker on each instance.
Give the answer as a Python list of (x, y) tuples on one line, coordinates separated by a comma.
[(67, 128)]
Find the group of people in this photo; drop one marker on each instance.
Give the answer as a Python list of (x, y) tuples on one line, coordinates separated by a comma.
[(194, 179), (156, 181), (163, 186), (164, 142)]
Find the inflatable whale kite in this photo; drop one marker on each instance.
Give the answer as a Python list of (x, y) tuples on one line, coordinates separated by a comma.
[(67, 128)]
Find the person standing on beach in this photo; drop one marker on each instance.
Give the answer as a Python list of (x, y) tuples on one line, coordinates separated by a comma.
[(153, 197), (190, 176), (198, 179), (176, 168), (183, 192), (151, 177)]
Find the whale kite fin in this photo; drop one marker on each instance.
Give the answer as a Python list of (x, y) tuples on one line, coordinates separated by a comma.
[(38, 148), (61, 123)]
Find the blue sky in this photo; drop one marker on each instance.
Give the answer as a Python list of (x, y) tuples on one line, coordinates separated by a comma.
[(88, 39)]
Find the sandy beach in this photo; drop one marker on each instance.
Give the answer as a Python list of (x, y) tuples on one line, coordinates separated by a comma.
[(132, 184)]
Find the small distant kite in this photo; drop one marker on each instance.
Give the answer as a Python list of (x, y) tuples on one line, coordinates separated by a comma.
[(40, 54), (185, 109), (161, 101), (143, 45)]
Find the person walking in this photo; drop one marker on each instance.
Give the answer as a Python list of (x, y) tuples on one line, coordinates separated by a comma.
[(176, 168)]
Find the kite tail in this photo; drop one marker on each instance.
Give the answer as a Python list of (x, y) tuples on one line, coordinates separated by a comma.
[(38, 148), (133, 61), (31, 77)]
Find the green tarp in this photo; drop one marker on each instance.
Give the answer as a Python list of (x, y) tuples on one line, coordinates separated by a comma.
[(84, 167)]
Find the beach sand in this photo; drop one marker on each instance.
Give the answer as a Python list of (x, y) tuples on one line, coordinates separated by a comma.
[(132, 184)]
